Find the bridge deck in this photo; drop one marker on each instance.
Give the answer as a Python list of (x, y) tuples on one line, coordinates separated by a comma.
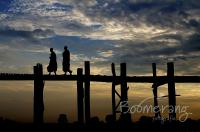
[(100, 78)]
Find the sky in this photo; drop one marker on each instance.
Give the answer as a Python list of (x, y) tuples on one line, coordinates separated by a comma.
[(138, 32)]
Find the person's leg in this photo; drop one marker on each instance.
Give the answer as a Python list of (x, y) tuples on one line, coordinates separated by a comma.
[(70, 71), (49, 73), (55, 72)]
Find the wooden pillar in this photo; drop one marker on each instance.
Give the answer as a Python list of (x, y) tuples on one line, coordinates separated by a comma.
[(80, 95), (171, 91), (113, 91), (87, 91), (155, 92), (124, 89), (38, 95)]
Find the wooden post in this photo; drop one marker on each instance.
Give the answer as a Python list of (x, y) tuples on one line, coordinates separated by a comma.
[(171, 91), (80, 95), (38, 94), (155, 92), (87, 91), (113, 91), (124, 89)]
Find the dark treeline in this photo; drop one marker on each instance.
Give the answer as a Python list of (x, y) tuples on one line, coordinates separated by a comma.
[(144, 123)]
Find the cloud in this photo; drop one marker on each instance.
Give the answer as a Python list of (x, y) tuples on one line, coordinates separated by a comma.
[(138, 32), (106, 54), (37, 33), (118, 20), (2, 16)]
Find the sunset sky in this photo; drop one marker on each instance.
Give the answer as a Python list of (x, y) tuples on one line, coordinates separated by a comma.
[(138, 32)]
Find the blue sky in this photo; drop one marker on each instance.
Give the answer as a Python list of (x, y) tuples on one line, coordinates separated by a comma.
[(138, 32)]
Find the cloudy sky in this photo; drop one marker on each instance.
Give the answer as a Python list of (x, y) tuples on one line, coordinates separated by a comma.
[(138, 32)]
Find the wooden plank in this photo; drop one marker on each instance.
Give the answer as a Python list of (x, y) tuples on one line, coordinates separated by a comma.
[(38, 104), (87, 91), (155, 92), (80, 95), (100, 78), (124, 88), (171, 91), (113, 92)]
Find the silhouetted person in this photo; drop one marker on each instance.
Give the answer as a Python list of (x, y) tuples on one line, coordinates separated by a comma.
[(52, 67), (66, 61)]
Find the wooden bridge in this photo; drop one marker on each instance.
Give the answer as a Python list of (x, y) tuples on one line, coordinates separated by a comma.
[(83, 88), (99, 78)]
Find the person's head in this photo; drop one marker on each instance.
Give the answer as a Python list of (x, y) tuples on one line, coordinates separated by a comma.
[(51, 49), (65, 48)]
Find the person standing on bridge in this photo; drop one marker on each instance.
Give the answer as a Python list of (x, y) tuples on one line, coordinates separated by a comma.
[(66, 61), (52, 67)]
